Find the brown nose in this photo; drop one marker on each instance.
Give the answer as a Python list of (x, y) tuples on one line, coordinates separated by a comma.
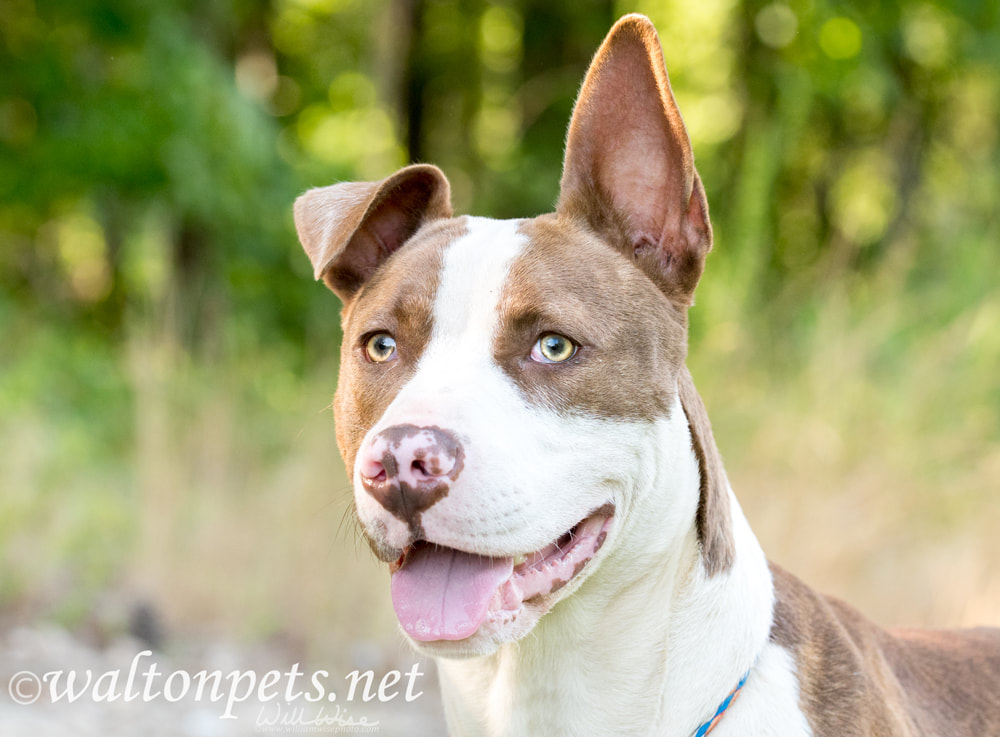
[(407, 468)]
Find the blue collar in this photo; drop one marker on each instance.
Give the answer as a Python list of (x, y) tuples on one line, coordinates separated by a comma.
[(726, 703)]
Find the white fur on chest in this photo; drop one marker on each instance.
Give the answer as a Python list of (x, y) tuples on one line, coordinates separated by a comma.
[(649, 654), (768, 705)]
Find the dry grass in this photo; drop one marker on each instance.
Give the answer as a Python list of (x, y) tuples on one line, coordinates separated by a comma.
[(865, 448)]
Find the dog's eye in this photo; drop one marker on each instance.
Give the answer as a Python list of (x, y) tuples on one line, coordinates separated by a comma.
[(553, 348), (381, 347)]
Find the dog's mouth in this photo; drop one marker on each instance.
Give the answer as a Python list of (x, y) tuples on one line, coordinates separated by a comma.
[(441, 593)]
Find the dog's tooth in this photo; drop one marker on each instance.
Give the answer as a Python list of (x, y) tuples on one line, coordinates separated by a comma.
[(519, 559)]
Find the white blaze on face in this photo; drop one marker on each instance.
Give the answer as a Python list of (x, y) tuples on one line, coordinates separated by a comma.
[(466, 314), (457, 385)]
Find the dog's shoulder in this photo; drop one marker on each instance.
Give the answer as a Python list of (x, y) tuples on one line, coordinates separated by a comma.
[(856, 678)]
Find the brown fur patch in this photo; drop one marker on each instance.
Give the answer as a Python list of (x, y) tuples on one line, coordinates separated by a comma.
[(714, 520), (398, 299), (631, 339), (856, 679), (632, 342)]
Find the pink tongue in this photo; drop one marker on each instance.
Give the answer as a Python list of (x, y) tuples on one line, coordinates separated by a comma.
[(444, 594)]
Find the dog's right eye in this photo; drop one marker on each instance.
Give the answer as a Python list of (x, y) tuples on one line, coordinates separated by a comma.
[(381, 347)]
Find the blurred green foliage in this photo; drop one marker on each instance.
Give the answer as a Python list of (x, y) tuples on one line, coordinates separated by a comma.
[(154, 150), (150, 150), (150, 153)]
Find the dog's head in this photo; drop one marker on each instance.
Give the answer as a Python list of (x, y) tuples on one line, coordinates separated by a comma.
[(512, 394)]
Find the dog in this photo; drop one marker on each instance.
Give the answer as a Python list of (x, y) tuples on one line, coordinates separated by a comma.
[(531, 459)]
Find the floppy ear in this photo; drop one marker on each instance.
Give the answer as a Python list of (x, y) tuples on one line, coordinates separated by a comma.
[(713, 519), (349, 229), (629, 169)]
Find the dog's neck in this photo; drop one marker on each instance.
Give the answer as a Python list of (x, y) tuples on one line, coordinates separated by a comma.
[(670, 641)]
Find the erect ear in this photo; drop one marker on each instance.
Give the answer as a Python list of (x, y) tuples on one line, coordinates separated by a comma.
[(714, 521), (349, 229), (628, 167)]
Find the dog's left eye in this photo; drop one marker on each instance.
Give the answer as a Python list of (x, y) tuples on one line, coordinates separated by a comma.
[(553, 348), (380, 347)]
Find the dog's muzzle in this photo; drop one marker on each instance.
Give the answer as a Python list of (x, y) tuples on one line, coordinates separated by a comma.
[(442, 593)]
